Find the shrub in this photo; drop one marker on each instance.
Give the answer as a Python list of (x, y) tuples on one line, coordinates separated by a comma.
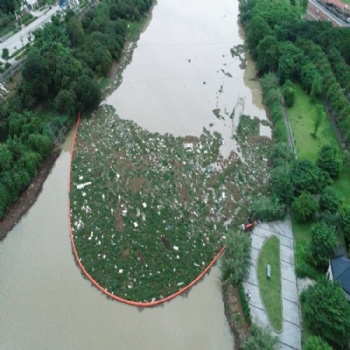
[(281, 154), (327, 312), (345, 221), (268, 209), (236, 260), (304, 207), (329, 161), (316, 343), (306, 176), (288, 92), (323, 240), (258, 339), (281, 184), (244, 303), (330, 200)]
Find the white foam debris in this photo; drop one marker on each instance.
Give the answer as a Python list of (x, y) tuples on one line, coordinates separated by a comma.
[(144, 205), (180, 283), (80, 186), (176, 248), (196, 265), (120, 270), (79, 224), (136, 224), (188, 145)]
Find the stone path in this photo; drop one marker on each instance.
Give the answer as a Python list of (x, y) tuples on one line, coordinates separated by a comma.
[(290, 337)]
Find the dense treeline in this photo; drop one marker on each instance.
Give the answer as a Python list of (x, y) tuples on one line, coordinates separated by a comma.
[(314, 54), (67, 57)]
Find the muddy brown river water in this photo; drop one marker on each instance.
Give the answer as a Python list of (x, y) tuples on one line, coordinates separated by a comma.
[(181, 71)]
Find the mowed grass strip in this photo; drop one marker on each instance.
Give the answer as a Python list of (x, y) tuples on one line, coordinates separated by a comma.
[(270, 288)]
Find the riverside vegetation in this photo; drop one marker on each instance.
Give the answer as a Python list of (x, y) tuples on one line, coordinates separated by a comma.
[(59, 78), (292, 52)]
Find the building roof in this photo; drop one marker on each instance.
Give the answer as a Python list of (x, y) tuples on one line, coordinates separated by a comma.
[(341, 272)]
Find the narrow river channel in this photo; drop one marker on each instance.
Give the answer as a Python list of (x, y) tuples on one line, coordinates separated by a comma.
[(181, 71)]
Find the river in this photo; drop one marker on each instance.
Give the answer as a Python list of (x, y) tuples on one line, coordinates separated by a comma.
[(172, 85)]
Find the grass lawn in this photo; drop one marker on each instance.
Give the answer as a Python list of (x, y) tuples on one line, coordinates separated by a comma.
[(302, 116), (270, 289)]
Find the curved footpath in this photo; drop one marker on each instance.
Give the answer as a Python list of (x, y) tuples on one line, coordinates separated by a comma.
[(103, 290), (290, 336)]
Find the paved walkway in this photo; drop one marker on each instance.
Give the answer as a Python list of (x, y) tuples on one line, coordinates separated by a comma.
[(290, 337)]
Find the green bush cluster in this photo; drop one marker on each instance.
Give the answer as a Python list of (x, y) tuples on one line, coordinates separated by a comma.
[(27, 145), (272, 99), (268, 208), (244, 304)]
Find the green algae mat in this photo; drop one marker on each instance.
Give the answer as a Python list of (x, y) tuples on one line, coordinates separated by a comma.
[(149, 212)]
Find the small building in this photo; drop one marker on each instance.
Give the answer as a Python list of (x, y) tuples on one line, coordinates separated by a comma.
[(32, 4), (339, 270)]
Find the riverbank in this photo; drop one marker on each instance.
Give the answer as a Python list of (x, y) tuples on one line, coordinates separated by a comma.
[(28, 197)]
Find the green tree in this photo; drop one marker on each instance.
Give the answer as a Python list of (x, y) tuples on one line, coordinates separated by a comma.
[(306, 176), (290, 62), (88, 93), (5, 158), (65, 102), (281, 154), (318, 119), (316, 343), (257, 30), (281, 184), (40, 144), (30, 161), (5, 53), (304, 207), (330, 200), (259, 339), (329, 161), (267, 54), (75, 31), (327, 312), (345, 221), (323, 240), (330, 218), (316, 88), (236, 260), (35, 72), (8, 6), (288, 92), (308, 75)]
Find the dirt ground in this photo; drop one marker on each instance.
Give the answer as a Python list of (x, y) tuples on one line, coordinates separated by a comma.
[(28, 197), (234, 314)]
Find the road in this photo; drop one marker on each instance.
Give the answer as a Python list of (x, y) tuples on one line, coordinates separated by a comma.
[(20, 39)]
